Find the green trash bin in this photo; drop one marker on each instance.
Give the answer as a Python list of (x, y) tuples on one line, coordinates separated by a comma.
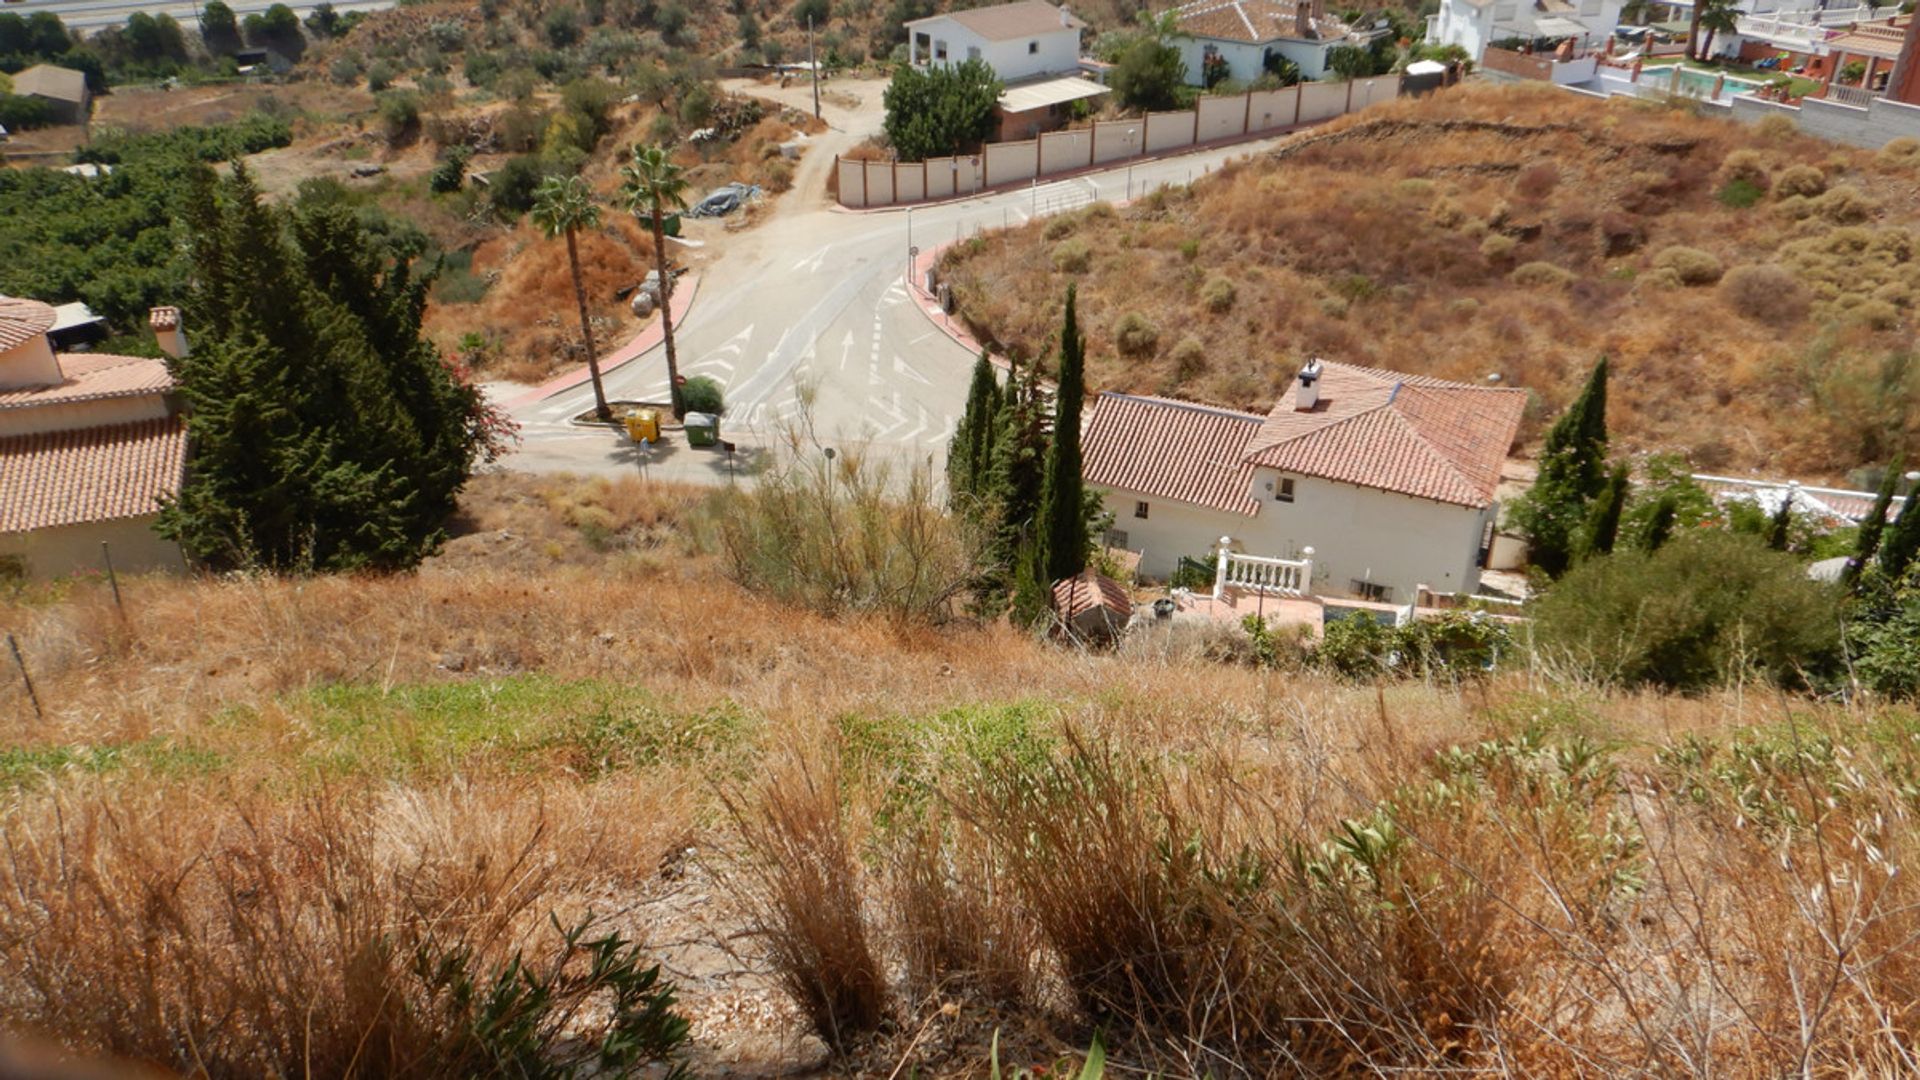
[(703, 429)]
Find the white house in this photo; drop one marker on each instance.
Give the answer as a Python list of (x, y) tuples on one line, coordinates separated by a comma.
[(1246, 35), (1388, 478), (1018, 41), (89, 445), (1475, 24)]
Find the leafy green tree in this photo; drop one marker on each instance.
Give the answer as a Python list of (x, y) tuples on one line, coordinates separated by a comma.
[(940, 110), (812, 13), (971, 450), (1902, 540), (16, 36), (1014, 479), (1350, 61), (1660, 525), (149, 38), (1867, 541), (47, 35), (653, 186), (1603, 522), (1781, 523), (219, 29), (19, 112), (1572, 472), (323, 21), (562, 207), (450, 174), (1716, 17), (1148, 76), (1062, 533), (327, 433)]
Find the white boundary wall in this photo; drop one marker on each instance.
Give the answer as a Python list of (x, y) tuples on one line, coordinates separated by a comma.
[(865, 184)]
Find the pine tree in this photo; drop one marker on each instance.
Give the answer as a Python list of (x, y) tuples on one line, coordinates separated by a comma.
[(1660, 527), (327, 433), (971, 451), (1062, 534), (1902, 541), (1572, 473), (1779, 528), (1603, 523), (1867, 543)]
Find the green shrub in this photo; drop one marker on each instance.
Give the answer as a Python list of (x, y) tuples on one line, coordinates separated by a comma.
[(1498, 247), (1744, 166), (451, 172), (399, 114), (1072, 256), (1189, 358), (703, 394), (1740, 194), (1135, 335), (1691, 265), (1708, 608), (381, 74)]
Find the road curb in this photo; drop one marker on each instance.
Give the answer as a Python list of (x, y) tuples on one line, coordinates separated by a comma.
[(639, 345)]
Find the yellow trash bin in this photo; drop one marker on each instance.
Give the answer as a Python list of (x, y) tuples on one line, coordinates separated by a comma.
[(643, 424)]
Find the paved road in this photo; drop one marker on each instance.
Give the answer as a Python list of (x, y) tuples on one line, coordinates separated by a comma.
[(95, 14), (814, 304)]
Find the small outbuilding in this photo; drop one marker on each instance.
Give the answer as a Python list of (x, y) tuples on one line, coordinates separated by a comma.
[(1092, 606), (62, 88)]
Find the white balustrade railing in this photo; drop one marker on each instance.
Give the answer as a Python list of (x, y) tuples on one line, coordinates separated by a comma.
[(1258, 573)]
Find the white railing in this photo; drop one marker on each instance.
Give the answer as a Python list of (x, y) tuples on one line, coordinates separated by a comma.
[(1805, 28), (1258, 573)]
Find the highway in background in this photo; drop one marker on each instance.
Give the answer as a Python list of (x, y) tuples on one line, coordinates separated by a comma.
[(88, 15)]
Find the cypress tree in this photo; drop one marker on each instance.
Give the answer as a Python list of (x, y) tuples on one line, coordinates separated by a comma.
[(1661, 525), (970, 452), (1782, 521), (1015, 475), (1902, 541), (1867, 543), (1603, 524), (1062, 533), (1572, 473)]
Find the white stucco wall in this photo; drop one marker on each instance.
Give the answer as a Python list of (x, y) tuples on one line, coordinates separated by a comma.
[(82, 414), (1248, 62), (1462, 24), (1356, 533), (1021, 58), (72, 549)]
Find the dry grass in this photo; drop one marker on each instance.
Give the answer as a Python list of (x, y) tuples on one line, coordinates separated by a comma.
[(237, 795), (1390, 238)]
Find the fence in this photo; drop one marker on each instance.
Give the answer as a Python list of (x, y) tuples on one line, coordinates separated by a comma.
[(1257, 573), (864, 184)]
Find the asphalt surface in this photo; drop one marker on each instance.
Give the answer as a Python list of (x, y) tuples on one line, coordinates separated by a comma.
[(95, 14), (808, 323)]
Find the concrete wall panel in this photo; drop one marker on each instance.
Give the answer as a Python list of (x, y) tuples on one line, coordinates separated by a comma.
[(909, 182), (1117, 139), (1064, 151), (1221, 117), (880, 183), (1322, 101), (1169, 131), (853, 184), (941, 175), (1010, 162), (1271, 109)]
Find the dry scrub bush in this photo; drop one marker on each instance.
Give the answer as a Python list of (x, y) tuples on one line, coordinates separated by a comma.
[(1774, 128), (1189, 359), (1498, 247), (1765, 292), (1218, 294), (1072, 256), (1744, 166), (1845, 205), (1901, 153), (801, 882), (1691, 265), (1541, 275), (1803, 180), (1135, 335), (230, 933)]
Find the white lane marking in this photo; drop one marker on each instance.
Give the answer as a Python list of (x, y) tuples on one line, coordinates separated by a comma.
[(901, 367)]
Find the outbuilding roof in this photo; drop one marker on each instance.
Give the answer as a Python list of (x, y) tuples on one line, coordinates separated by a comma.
[(1255, 22), (90, 474), (1090, 590), (22, 320), (49, 81), (1008, 22)]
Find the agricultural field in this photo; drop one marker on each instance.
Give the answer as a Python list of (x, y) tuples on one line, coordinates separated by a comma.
[(1753, 288)]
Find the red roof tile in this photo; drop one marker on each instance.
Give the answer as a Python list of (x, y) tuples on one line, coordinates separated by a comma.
[(1258, 21), (22, 320), (1173, 449), (90, 474), (92, 376), (1409, 434)]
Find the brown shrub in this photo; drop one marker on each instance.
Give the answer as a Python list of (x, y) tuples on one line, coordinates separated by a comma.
[(1804, 180), (1541, 275), (1744, 166), (1690, 266), (1135, 335), (1765, 292)]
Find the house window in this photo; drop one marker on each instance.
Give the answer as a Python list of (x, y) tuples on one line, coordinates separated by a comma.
[(1033, 48), (1370, 590), (1284, 492), (1589, 7), (1140, 510), (939, 50), (1505, 12), (973, 52), (1117, 538), (922, 43)]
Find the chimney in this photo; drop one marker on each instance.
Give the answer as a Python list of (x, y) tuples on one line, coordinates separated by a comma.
[(1303, 20), (1306, 392), (167, 331), (1065, 19)]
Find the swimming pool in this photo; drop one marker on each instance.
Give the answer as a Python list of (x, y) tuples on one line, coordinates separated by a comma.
[(1695, 83)]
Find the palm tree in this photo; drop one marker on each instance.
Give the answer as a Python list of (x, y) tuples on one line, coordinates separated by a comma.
[(563, 205), (655, 185), (1718, 16)]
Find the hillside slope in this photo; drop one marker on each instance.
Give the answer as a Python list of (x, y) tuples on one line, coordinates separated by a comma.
[(1754, 288)]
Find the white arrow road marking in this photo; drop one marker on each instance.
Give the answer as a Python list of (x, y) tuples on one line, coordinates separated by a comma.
[(890, 410), (722, 359), (812, 263), (846, 350), (900, 367)]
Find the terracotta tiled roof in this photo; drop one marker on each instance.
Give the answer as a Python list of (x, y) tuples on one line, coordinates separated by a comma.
[(1258, 21), (1409, 434), (92, 376), (1006, 22), (1088, 590), (1833, 503), (1173, 449), (22, 320), (89, 474)]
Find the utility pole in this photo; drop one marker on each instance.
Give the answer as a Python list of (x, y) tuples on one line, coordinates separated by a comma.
[(813, 63)]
